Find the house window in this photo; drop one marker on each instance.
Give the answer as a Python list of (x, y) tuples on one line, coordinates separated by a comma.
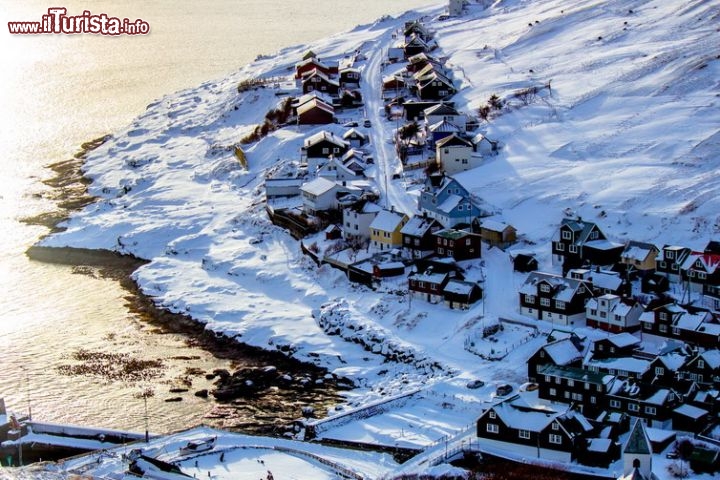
[(545, 288), (556, 439), (577, 397), (701, 364), (663, 328), (529, 298), (545, 302), (669, 254), (659, 371), (593, 235), (492, 414), (614, 403), (464, 161), (662, 265), (663, 316), (650, 410), (647, 326), (676, 331), (557, 380), (702, 275), (547, 377), (566, 235), (633, 407), (325, 150), (586, 385), (467, 241), (555, 426), (593, 400), (553, 392), (571, 382), (560, 247), (593, 312), (493, 428), (573, 248), (524, 434), (566, 394)]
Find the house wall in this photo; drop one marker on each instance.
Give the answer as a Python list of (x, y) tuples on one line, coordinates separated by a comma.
[(386, 240), (456, 159), (315, 116), (313, 204), (357, 224)]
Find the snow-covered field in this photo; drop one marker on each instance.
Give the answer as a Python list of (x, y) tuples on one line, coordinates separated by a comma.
[(627, 136)]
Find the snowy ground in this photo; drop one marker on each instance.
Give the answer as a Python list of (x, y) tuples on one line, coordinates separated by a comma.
[(627, 136)]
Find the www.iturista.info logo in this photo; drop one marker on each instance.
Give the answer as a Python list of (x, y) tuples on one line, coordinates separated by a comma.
[(57, 21)]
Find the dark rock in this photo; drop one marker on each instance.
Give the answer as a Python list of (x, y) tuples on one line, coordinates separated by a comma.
[(202, 393)]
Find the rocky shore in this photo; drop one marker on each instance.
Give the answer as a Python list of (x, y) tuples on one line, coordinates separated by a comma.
[(266, 390)]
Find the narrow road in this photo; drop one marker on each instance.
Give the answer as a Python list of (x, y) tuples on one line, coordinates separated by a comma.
[(387, 162)]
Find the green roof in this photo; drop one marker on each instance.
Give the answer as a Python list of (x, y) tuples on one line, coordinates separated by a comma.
[(575, 374)]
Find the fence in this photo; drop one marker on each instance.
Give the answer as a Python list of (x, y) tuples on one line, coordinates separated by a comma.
[(297, 228)]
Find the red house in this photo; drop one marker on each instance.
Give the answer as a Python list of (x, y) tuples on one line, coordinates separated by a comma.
[(315, 112)]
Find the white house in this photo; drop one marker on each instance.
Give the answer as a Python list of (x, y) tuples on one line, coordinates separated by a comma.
[(319, 195), (611, 313), (484, 146), (335, 170), (357, 220), (282, 187), (444, 111), (455, 155)]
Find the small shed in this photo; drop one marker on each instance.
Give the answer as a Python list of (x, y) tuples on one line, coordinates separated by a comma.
[(525, 263), (333, 232), (688, 418)]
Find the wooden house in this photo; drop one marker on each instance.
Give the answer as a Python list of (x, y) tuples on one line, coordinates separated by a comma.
[(534, 431), (689, 418), (446, 200), (564, 352), (613, 313), (670, 260), (318, 148), (653, 404), (673, 321), (498, 234), (316, 81), (555, 299), (459, 294), (455, 154), (385, 230), (664, 370), (319, 195), (429, 285), (417, 236), (414, 44), (315, 112), (639, 257), (435, 87), (357, 220), (458, 244), (703, 368), (312, 63), (444, 112), (355, 138), (578, 242), (524, 262), (586, 389), (349, 77)]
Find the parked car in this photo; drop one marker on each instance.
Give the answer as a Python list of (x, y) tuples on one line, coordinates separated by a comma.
[(503, 390), (350, 124), (529, 387), (473, 384), (367, 123)]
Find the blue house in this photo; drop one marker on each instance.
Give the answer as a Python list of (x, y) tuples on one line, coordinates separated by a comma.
[(448, 202)]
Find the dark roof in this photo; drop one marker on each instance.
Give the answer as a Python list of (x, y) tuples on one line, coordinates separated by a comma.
[(638, 442)]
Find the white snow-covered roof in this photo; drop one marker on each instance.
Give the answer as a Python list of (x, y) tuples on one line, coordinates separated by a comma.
[(673, 360), (459, 287), (659, 397), (599, 445), (712, 358), (647, 317), (417, 226), (325, 136), (691, 411), (563, 352), (387, 221), (494, 225), (430, 277), (443, 126), (450, 203), (315, 103), (624, 339), (318, 186), (626, 364), (602, 244), (353, 132), (689, 321)]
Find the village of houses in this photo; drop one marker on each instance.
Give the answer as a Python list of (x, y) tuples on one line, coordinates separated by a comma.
[(335, 199)]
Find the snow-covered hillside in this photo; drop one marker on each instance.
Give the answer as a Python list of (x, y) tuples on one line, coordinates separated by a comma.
[(627, 135)]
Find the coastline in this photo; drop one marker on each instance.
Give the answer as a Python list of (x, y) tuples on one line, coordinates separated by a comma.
[(68, 191)]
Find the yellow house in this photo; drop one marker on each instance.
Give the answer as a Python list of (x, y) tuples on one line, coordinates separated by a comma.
[(385, 230)]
